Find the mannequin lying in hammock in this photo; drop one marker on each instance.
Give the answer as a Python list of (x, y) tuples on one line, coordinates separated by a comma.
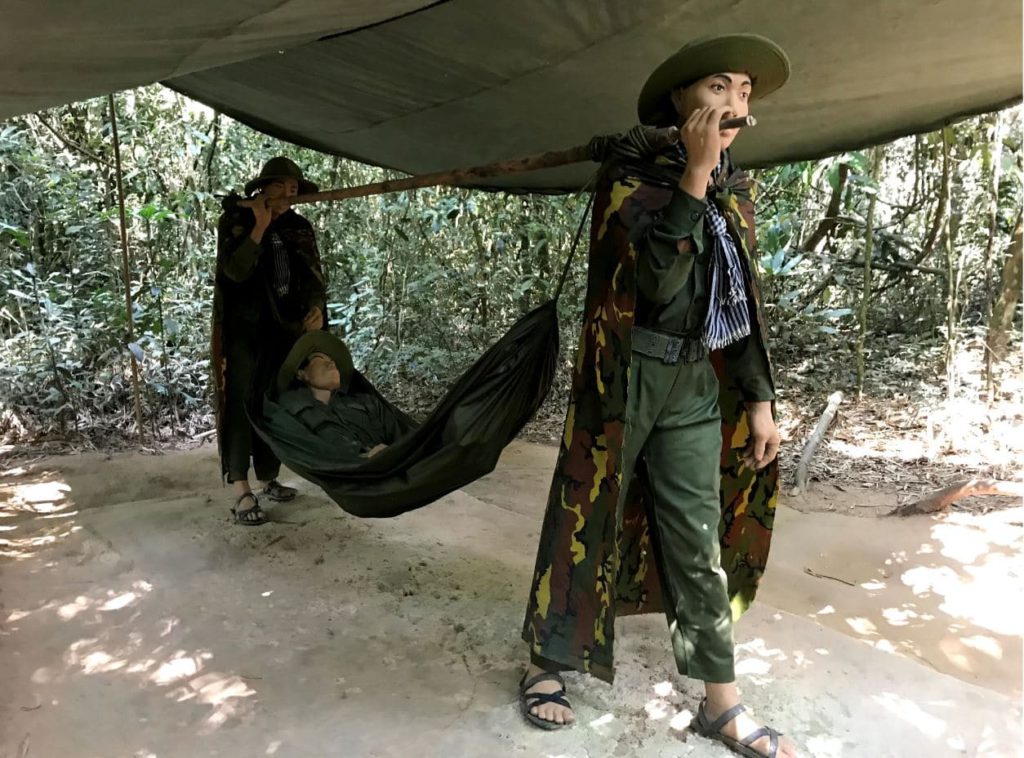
[(458, 442), (315, 386)]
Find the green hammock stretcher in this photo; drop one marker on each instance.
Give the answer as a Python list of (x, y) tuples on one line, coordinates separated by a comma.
[(462, 439), (459, 442)]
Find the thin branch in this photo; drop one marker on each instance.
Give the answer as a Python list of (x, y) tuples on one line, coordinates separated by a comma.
[(898, 266), (940, 208), (74, 146), (827, 224)]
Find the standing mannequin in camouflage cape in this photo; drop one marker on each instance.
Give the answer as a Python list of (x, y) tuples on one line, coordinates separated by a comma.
[(672, 301), (269, 290)]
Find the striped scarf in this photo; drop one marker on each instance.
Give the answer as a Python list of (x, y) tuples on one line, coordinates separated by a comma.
[(728, 317)]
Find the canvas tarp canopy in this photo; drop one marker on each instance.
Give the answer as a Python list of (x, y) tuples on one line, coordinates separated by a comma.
[(421, 86)]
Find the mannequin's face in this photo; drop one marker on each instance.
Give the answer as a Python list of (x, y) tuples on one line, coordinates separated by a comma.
[(726, 90), (320, 373), (280, 188)]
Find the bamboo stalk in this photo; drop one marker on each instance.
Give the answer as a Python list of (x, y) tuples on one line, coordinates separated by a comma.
[(952, 284), (865, 296), (996, 163), (126, 268), (659, 138)]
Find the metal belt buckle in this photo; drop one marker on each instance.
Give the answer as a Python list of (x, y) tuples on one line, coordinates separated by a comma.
[(672, 350)]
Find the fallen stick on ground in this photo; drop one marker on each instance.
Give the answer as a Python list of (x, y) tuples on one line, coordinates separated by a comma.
[(941, 500), (826, 576), (803, 469)]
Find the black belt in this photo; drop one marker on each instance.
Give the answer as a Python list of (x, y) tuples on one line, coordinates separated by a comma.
[(666, 347)]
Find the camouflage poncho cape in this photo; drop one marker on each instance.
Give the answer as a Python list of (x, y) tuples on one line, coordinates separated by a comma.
[(588, 567)]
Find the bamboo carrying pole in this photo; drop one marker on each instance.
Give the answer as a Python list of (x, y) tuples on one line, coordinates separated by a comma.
[(125, 264), (658, 138)]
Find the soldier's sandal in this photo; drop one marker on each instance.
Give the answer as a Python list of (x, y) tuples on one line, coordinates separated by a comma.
[(712, 730), (529, 700), (278, 492), (252, 516)]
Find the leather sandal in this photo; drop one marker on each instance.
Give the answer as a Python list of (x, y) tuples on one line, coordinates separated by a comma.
[(713, 731), (528, 700), (251, 516)]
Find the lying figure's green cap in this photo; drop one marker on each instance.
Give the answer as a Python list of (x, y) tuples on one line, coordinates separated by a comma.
[(305, 346)]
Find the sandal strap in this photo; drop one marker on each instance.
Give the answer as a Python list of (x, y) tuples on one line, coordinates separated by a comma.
[(722, 720), (251, 515), (544, 676), (255, 501), (764, 731), (539, 698)]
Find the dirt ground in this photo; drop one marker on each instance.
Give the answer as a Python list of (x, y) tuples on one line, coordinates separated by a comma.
[(136, 620)]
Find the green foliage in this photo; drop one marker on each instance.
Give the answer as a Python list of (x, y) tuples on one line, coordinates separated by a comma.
[(419, 283)]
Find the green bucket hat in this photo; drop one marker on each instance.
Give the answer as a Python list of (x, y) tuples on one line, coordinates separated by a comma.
[(281, 168), (305, 346), (765, 61)]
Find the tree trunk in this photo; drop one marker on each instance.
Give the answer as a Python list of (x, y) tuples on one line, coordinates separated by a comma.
[(482, 278), (211, 182), (126, 268), (996, 163), (940, 207), (952, 282), (1005, 307), (865, 296), (917, 169), (827, 224)]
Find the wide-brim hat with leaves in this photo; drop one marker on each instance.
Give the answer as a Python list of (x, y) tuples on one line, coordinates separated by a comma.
[(281, 168), (315, 342), (765, 62)]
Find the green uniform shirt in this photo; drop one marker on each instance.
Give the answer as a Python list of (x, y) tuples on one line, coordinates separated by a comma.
[(351, 424), (673, 291)]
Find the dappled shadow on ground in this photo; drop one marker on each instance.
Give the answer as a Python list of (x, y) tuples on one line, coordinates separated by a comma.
[(964, 582), (834, 698), (941, 590), (402, 635), (100, 618), (36, 512), (119, 644)]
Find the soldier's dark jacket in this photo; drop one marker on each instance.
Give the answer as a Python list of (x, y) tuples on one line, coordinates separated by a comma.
[(247, 313), (589, 567)]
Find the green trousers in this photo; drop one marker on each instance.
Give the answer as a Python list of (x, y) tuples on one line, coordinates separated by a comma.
[(672, 418)]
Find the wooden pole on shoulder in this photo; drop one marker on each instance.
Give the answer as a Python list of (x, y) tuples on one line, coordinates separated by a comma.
[(659, 138)]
